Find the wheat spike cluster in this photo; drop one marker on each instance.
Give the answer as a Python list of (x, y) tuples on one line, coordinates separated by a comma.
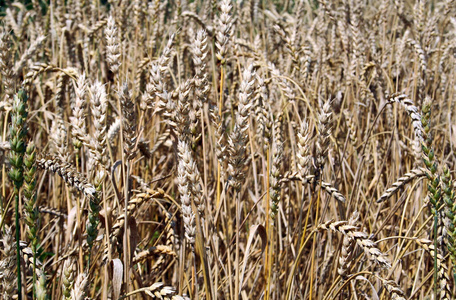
[(225, 149)]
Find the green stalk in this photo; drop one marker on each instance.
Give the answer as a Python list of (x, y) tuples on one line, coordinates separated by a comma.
[(18, 248), (435, 256)]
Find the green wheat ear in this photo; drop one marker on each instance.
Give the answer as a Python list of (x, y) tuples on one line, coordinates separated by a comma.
[(18, 132), (450, 211), (429, 160)]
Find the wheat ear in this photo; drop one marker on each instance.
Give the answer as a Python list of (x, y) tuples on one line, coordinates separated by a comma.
[(78, 125), (113, 46), (237, 142), (133, 204), (32, 213), (99, 104), (67, 278), (277, 159), (7, 264), (185, 194), (6, 68), (361, 238), (41, 291), (129, 122), (28, 54), (401, 182), (412, 111), (68, 173), (450, 211), (324, 132), (303, 155), (310, 179), (394, 289), (80, 286), (156, 250), (442, 269), (223, 31), (158, 290), (346, 251)]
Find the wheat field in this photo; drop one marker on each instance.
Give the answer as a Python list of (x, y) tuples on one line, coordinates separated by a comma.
[(247, 149)]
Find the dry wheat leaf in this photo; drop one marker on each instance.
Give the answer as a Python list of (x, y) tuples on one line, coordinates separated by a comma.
[(117, 273)]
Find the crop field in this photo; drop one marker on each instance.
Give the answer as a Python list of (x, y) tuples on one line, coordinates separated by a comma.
[(251, 149)]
